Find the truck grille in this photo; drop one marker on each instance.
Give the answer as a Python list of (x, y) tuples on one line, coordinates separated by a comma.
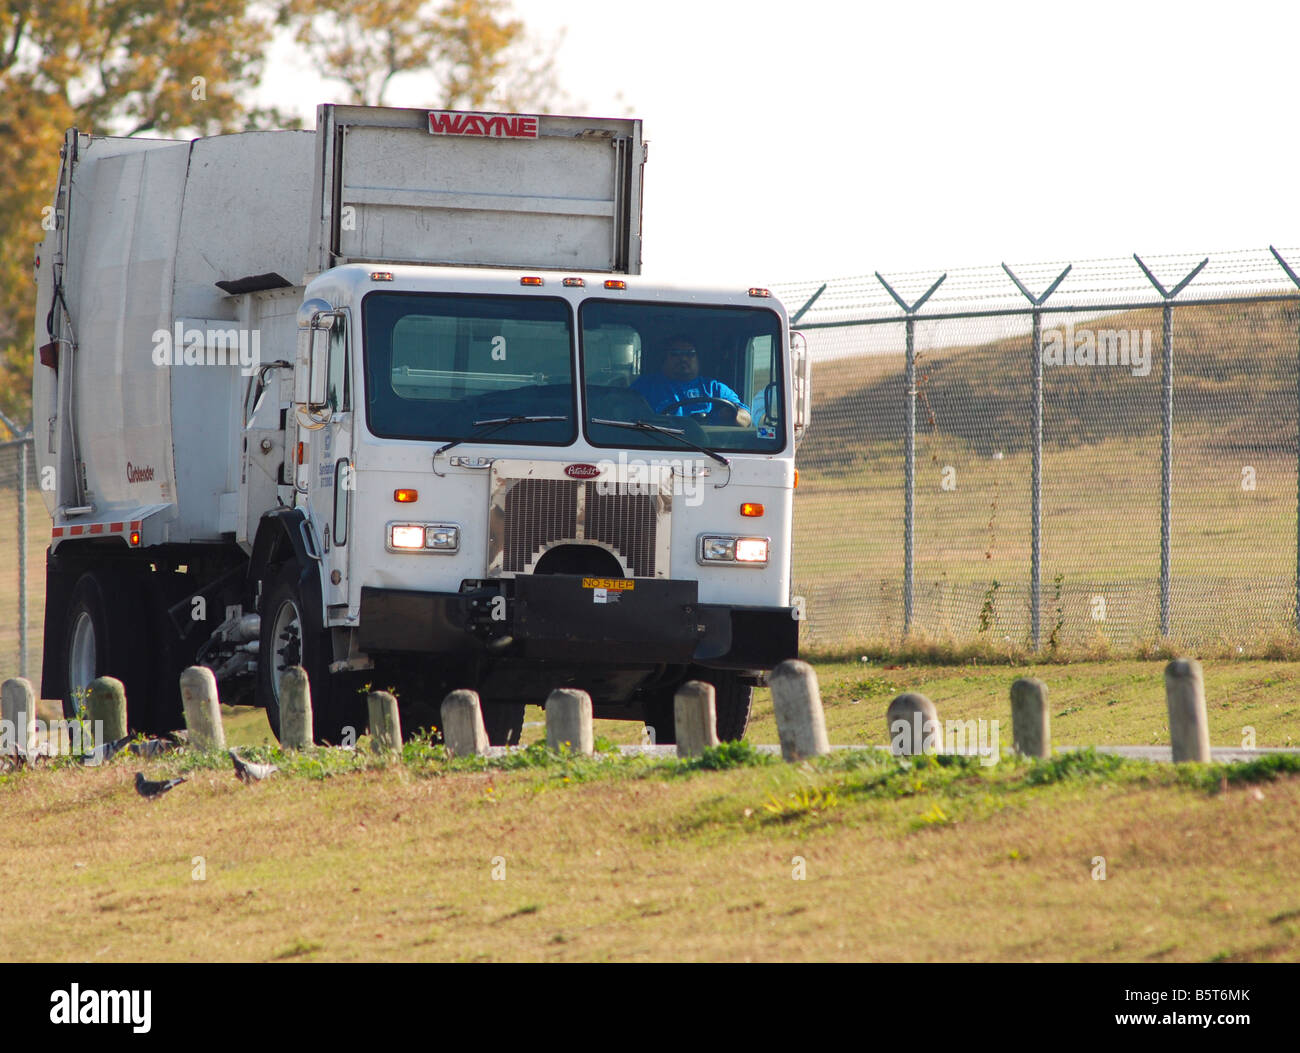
[(531, 515)]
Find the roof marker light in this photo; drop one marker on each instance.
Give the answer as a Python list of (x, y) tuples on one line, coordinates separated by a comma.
[(575, 283), (615, 283), (760, 292), (533, 280), (381, 276)]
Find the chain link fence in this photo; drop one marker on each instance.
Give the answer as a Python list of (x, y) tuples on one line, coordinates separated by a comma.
[(1104, 452), (24, 529)]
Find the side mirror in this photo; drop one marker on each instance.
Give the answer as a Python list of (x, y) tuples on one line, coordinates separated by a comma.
[(318, 370), (801, 369), (311, 370)]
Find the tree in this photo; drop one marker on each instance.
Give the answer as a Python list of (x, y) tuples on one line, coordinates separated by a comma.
[(480, 56), (114, 67), (185, 68)]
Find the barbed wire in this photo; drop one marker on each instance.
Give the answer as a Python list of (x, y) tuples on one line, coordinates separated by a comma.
[(987, 286)]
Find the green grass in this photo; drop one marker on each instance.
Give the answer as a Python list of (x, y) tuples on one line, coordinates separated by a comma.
[(1091, 703), (737, 857)]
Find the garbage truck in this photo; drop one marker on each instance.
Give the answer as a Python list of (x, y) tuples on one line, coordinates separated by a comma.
[(390, 400)]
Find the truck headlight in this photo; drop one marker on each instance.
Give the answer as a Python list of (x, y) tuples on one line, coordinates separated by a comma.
[(423, 537), (729, 549)]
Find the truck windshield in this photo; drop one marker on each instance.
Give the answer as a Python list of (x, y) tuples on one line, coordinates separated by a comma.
[(713, 373), (436, 364)]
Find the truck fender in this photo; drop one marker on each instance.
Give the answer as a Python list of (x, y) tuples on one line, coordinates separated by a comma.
[(283, 533)]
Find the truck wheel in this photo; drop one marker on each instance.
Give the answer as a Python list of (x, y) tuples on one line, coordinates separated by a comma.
[(732, 701), (504, 722), (103, 637), (292, 635)]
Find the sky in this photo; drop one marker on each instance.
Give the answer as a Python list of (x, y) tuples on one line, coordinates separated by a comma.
[(798, 142)]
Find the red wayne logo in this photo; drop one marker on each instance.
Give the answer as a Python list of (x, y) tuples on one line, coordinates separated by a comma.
[(484, 125), (582, 471), (139, 475)]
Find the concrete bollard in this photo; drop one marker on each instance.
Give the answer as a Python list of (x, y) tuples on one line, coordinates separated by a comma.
[(202, 709), (695, 714), (385, 723), (106, 701), (1189, 732), (296, 730), (18, 713), (913, 725), (800, 720), (1031, 721), (463, 731), (568, 720)]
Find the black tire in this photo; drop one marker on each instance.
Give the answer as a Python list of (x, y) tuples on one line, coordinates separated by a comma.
[(106, 633), (733, 699), (291, 611), (504, 722)]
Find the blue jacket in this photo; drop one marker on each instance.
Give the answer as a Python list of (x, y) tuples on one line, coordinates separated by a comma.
[(661, 392)]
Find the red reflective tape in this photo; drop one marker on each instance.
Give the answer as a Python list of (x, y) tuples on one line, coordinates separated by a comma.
[(116, 528), (96, 528), (135, 524), (56, 532), (74, 531)]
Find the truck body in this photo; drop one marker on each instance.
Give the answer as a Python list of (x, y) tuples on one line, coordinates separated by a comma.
[(376, 400)]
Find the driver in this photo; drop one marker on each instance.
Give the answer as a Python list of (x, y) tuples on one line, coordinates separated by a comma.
[(680, 382)]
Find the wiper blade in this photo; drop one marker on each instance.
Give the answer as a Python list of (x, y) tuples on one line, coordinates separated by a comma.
[(498, 423), (515, 420), (659, 429)]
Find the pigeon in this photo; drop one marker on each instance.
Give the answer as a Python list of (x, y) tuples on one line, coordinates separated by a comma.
[(153, 790), (248, 771), (104, 752), (152, 747)]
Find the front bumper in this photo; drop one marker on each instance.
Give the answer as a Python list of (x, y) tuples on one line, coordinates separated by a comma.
[(569, 618)]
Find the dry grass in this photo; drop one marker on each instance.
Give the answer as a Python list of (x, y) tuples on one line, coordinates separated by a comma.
[(632, 861)]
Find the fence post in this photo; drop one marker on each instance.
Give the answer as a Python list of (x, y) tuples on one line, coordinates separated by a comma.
[(1167, 432), (296, 725), (22, 555), (202, 709), (797, 704), (106, 705), (1189, 733), (568, 721), (1031, 721), (913, 724), (909, 445), (385, 723), (1036, 445), (1296, 279)]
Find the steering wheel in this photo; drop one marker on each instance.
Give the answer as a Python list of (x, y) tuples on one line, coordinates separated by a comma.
[(736, 406)]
